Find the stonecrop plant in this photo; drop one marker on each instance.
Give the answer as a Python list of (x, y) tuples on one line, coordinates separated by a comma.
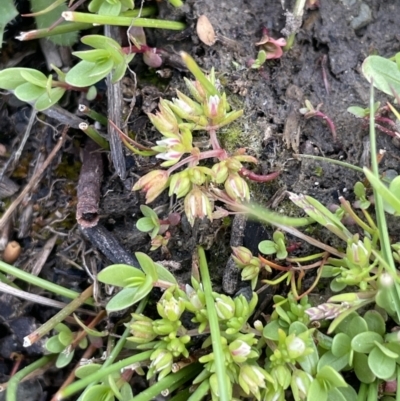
[(178, 121)]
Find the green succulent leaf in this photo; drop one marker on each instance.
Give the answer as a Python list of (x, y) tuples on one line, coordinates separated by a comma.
[(336, 362), (331, 377), (359, 112), (129, 296), (7, 13), (118, 275), (361, 368), (98, 392), (383, 73), (65, 338), (28, 92), (147, 264), (267, 247), (47, 100), (88, 330), (93, 56), (317, 392), (110, 9), (381, 365), (365, 342), (164, 274), (54, 345), (11, 78), (341, 345), (86, 370), (87, 74), (145, 224), (64, 358)]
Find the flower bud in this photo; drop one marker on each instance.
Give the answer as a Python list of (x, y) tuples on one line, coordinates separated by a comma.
[(142, 331), (236, 187), (252, 378), (162, 360), (242, 256), (180, 184), (164, 121), (197, 204), (170, 308), (153, 184), (220, 172), (225, 307), (163, 327), (241, 351), (358, 252)]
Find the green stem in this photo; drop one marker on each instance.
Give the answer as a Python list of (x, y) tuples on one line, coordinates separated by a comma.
[(58, 30), (380, 211), (172, 381), (362, 392), (93, 134), (298, 11), (219, 357), (372, 394), (58, 317), (39, 282), (176, 3), (122, 21), (200, 391), (12, 385), (398, 383), (182, 395), (101, 373), (103, 120), (333, 161), (198, 74)]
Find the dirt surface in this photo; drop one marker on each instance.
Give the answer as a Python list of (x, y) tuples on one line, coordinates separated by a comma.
[(333, 41)]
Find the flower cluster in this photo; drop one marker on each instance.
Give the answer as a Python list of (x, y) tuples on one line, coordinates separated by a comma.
[(208, 110)]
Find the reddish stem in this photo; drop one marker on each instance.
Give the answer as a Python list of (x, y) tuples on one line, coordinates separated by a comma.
[(142, 49), (244, 172), (330, 123), (387, 131)]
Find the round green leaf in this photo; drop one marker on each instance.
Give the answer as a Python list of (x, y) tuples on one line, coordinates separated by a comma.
[(331, 377), (357, 325), (267, 247), (361, 368), (65, 338), (381, 365), (87, 74), (337, 286), (64, 358), (145, 224), (384, 74), (54, 345), (28, 92), (118, 274), (86, 370), (341, 345), (99, 392), (337, 362), (375, 322), (45, 101), (365, 342), (388, 352), (359, 112), (110, 9), (317, 392), (270, 331)]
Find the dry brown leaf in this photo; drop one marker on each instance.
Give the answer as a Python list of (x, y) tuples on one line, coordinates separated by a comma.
[(205, 31)]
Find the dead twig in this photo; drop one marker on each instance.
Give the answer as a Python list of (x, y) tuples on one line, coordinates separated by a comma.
[(87, 210)]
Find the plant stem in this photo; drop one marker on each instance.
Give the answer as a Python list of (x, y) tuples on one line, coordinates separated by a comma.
[(298, 11), (122, 21), (176, 3), (12, 386), (92, 133), (200, 391), (219, 357), (103, 120), (58, 317), (198, 74), (101, 373), (58, 30), (173, 381), (333, 161), (182, 395), (380, 212), (39, 282)]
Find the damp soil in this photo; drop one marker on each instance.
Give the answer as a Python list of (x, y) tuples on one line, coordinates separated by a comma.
[(323, 66)]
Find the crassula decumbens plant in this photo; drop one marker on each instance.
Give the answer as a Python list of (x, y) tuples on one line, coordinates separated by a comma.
[(185, 171)]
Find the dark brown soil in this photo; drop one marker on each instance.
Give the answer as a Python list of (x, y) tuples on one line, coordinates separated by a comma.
[(335, 38)]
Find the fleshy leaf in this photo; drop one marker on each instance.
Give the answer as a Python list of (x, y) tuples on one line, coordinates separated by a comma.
[(118, 274)]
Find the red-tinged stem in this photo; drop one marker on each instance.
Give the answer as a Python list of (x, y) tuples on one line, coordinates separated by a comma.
[(387, 131), (59, 84), (213, 139), (330, 123), (218, 153), (385, 120), (142, 49), (244, 172)]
